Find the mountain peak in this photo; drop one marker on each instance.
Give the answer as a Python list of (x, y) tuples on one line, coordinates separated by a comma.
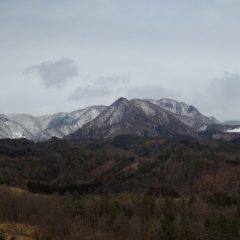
[(168, 100), (188, 114), (138, 116), (120, 100), (180, 108)]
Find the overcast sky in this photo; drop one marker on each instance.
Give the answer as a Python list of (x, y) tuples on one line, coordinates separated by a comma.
[(62, 55)]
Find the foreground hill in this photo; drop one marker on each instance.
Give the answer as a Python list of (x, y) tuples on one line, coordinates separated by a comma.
[(125, 163), (127, 187)]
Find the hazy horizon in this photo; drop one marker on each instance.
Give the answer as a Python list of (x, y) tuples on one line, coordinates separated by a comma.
[(60, 56)]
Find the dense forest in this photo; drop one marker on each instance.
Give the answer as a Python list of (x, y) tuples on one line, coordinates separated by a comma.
[(122, 188)]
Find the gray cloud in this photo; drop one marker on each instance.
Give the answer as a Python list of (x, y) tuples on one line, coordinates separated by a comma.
[(100, 87), (112, 80), (54, 74), (179, 45), (226, 89), (222, 97), (154, 92), (83, 93)]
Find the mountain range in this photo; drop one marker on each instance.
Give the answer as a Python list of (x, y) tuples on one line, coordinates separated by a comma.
[(142, 117)]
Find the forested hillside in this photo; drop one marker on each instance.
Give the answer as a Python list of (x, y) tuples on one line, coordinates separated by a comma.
[(125, 188)]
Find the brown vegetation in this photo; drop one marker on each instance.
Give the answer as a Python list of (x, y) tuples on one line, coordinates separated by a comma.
[(147, 189)]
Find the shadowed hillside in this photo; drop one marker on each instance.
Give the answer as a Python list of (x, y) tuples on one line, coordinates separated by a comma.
[(125, 188)]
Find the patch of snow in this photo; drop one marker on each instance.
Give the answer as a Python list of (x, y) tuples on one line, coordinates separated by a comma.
[(203, 128), (44, 127), (17, 135), (144, 105), (234, 130), (178, 107)]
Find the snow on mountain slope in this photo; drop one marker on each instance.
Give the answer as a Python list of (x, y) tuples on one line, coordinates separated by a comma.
[(234, 130), (11, 129), (137, 117), (176, 107), (144, 105), (69, 122), (33, 124), (164, 117), (188, 114), (47, 126)]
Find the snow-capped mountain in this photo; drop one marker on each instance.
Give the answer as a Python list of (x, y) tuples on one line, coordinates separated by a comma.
[(12, 129), (164, 117), (221, 132), (188, 114), (48, 126), (224, 128), (233, 130), (137, 117), (68, 123), (33, 124)]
